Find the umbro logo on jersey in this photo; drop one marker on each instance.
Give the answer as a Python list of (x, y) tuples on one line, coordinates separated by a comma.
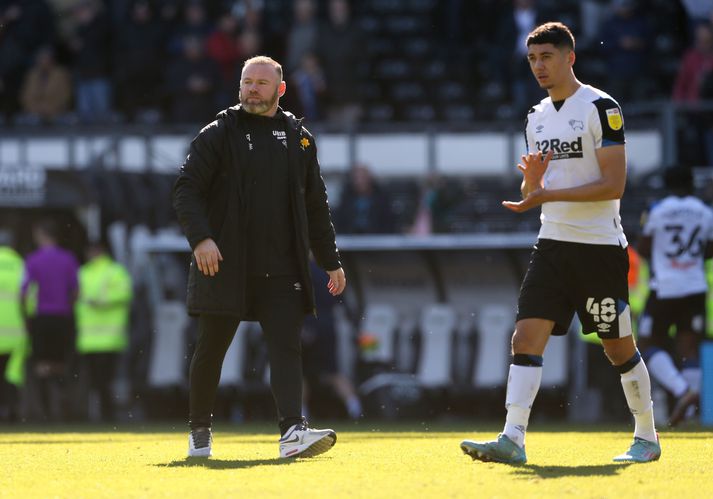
[(561, 148), (539, 128), (576, 124)]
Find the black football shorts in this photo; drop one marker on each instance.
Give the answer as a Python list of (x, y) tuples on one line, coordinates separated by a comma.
[(590, 279), (687, 313)]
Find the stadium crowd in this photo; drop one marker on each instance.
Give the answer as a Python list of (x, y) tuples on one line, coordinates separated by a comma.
[(176, 61)]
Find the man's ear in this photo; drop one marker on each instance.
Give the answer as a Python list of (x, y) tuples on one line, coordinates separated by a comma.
[(281, 89)]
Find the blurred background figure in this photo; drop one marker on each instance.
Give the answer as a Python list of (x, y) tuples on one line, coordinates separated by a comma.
[(26, 26), (510, 54), (139, 49), (677, 238), (192, 83), (223, 47), (12, 328), (102, 310), (364, 207), (319, 353), (625, 40), (51, 277), (302, 38), (309, 86), (437, 200), (694, 82), (91, 51), (46, 93), (340, 50)]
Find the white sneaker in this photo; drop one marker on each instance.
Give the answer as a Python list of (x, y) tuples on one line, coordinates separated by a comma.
[(200, 441), (302, 441)]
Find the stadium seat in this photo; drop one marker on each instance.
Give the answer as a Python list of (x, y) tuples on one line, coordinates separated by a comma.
[(494, 324), (379, 325), (436, 350), (167, 366)]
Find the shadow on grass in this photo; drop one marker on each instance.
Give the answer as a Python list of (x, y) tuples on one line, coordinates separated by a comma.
[(226, 464), (531, 470)]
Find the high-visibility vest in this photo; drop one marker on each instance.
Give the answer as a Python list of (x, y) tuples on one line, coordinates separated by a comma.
[(102, 310), (12, 327)]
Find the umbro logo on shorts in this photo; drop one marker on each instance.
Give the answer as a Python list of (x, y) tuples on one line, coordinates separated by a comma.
[(297, 286)]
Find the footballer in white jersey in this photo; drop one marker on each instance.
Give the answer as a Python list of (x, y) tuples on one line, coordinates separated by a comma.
[(677, 237), (575, 169)]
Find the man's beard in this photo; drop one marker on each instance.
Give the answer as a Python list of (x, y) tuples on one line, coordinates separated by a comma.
[(260, 107)]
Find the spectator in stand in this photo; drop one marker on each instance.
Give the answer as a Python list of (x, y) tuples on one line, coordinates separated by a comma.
[(51, 282), (513, 77), (696, 65), (195, 25), (308, 81), (302, 38), (91, 49), (627, 40), (139, 55), (694, 82), (340, 48), (437, 201), (223, 46), (24, 27), (364, 207), (191, 84), (47, 91)]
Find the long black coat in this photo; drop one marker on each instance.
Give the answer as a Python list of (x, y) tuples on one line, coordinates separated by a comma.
[(211, 196)]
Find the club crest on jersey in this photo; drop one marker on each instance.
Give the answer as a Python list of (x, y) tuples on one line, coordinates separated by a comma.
[(614, 118), (576, 124)]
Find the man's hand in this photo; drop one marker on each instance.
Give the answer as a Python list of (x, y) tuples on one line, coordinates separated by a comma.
[(533, 168), (337, 281), (534, 198), (207, 257)]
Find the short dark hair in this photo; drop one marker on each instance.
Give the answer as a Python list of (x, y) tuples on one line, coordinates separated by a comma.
[(678, 178), (552, 32)]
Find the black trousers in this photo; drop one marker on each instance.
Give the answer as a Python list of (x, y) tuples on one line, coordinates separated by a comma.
[(101, 370), (8, 392), (277, 303)]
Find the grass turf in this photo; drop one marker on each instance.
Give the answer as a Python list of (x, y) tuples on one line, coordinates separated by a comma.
[(369, 460)]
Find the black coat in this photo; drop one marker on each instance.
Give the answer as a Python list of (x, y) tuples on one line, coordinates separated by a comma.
[(211, 197)]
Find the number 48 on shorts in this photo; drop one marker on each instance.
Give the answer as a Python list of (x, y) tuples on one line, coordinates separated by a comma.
[(603, 315)]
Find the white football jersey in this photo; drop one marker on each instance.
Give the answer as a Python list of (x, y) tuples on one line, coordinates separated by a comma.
[(680, 228), (574, 130)]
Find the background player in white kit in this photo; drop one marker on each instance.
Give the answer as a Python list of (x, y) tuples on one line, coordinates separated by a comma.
[(576, 170), (676, 239)]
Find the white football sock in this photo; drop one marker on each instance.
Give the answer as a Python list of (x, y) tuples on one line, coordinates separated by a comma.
[(637, 389), (663, 370), (523, 384)]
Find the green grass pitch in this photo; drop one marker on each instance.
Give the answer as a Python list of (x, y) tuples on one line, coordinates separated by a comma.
[(370, 459)]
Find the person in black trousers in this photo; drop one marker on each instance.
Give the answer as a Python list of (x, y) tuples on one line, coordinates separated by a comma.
[(252, 204)]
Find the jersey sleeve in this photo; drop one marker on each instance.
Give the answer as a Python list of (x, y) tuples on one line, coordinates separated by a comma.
[(607, 123), (529, 140)]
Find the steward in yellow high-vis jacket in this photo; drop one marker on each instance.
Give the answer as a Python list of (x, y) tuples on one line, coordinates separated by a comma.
[(12, 330), (102, 313)]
